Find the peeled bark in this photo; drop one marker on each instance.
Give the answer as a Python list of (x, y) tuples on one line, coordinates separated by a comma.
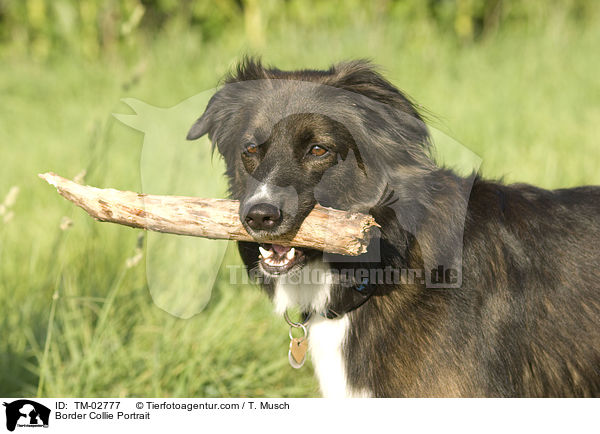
[(325, 229)]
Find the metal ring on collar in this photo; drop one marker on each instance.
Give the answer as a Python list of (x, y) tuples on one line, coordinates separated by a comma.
[(296, 324), (304, 329)]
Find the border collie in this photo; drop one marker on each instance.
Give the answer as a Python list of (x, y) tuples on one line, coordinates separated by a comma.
[(471, 288)]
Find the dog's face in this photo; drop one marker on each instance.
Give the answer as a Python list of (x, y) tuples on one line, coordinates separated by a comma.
[(290, 143), (283, 174)]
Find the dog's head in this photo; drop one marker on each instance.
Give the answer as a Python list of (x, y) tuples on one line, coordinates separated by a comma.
[(292, 139)]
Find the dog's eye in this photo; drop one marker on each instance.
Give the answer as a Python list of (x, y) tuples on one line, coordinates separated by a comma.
[(318, 151), (251, 148)]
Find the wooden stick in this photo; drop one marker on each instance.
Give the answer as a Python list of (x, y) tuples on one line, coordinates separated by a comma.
[(325, 229)]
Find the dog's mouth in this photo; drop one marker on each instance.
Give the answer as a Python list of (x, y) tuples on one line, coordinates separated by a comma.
[(276, 259)]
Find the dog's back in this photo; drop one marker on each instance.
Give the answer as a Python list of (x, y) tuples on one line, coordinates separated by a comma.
[(532, 261), (551, 243)]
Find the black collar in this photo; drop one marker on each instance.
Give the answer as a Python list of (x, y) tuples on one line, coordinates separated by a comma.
[(357, 297)]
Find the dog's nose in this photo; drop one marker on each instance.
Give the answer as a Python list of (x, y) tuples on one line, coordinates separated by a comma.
[(263, 216)]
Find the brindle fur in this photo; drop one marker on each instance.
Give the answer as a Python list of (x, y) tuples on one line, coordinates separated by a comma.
[(525, 321)]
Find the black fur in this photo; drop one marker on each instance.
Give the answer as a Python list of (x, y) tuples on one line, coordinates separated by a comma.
[(525, 319)]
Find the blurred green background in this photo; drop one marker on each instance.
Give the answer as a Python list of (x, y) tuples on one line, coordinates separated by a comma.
[(514, 81)]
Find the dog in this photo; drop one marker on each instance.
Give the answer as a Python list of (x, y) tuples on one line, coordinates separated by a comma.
[(502, 293)]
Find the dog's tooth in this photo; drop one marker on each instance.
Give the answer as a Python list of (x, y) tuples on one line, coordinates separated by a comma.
[(290, 254), (265, 253)]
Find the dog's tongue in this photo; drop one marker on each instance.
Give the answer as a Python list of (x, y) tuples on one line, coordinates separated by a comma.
[(280, 250)]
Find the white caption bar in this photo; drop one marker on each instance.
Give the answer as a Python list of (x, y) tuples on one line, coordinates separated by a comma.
[(76, 415)]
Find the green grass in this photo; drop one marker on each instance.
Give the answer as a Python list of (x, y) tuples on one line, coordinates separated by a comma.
[(75, 320)]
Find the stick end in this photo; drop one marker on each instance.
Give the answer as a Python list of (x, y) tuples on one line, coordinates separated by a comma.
[(49, 177)]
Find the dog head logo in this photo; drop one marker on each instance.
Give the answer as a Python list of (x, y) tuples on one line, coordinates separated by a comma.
[(180, 271), (26, 413)]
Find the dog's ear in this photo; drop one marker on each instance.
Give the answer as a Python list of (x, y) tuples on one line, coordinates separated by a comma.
[(200, 127), (362, 77), (206, 122)]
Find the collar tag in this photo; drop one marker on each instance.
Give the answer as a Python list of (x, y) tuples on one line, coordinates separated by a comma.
[(297, 352), (298, 346)]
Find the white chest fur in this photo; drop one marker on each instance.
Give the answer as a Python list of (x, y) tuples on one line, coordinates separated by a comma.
[(327, 337)]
